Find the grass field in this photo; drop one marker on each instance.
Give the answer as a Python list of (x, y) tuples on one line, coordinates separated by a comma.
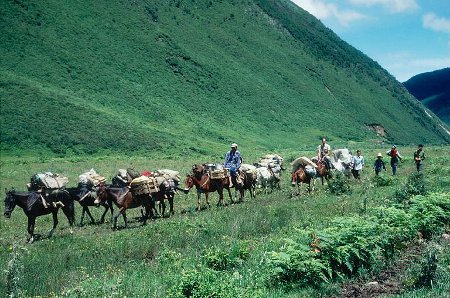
[(222, 250)]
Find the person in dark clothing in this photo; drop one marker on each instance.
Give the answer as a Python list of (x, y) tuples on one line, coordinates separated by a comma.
[(379, 164), (419, 156)]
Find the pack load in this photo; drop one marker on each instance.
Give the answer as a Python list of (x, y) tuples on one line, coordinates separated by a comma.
[(91, 178), (271, 160), (217, 171), (47, 180), (124, 177), (168, 174), (310, 171), (144, 185), (249, 170), (302, 162)]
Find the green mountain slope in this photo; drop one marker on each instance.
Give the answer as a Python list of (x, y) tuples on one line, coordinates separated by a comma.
[(187, 75), (433, 89)]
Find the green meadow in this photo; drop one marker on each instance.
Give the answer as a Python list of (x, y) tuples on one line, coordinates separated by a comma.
[(263, 247)]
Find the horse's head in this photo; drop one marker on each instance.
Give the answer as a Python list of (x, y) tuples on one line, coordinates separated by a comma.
[(188, 183), (101, 193), (10, 202)]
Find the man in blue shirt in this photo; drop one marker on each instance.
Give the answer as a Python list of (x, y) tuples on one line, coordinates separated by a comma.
[(233, 160)]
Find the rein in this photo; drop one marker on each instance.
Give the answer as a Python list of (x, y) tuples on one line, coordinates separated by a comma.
[(85, 196)]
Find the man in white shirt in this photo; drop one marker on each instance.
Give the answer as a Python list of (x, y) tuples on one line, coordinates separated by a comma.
[(358, 163), (323, 153)]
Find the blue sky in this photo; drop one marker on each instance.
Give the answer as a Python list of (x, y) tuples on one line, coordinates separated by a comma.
[(406, 37)]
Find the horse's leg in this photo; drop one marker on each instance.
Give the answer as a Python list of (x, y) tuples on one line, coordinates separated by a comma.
[(55, 223), (229, 194), (198, 201), (207, 199), (241, 194), (110, 207), (69, 212), (102, 219), (220, 192), (170, 198), (114, 218), (86, 208), (147, 212), (31, 222), (82, 216), (163, 207), (124, 215)]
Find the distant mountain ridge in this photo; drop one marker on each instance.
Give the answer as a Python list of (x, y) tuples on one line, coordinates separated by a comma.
[(433, 89), (190, 76)]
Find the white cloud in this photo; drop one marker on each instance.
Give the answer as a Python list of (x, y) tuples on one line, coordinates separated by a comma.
[(322, 10), (392, 6), (433, 22)]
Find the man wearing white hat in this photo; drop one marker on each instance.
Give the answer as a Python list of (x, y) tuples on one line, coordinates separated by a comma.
[(233, 161)]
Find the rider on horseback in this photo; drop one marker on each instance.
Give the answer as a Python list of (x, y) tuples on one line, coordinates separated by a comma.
[(233, 162), (323, 154)]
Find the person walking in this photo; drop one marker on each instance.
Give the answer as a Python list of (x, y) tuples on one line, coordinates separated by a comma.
[(379, 164), (419, 156), (395, 157), (358, 163)]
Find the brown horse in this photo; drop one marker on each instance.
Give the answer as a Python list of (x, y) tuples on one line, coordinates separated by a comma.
[(124, 199), (33, 206), (323, 172), (204, 184), (300, 176)]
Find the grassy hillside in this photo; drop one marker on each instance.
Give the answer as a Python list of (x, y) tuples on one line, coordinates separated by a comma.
[(433, 89), (188, 76)]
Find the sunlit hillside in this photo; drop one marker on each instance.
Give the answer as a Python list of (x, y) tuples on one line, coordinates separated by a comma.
[(189, 76)]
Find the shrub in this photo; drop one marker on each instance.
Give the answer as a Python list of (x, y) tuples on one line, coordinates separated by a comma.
[(218, 258), (339, 184), (382, 180), (204, 282), (415, 185), (431, 213)]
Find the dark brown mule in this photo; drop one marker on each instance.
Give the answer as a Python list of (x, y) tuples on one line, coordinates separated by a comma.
[(32, 205), (204, 184), (123, 198), (299, 177), (83, 195)]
